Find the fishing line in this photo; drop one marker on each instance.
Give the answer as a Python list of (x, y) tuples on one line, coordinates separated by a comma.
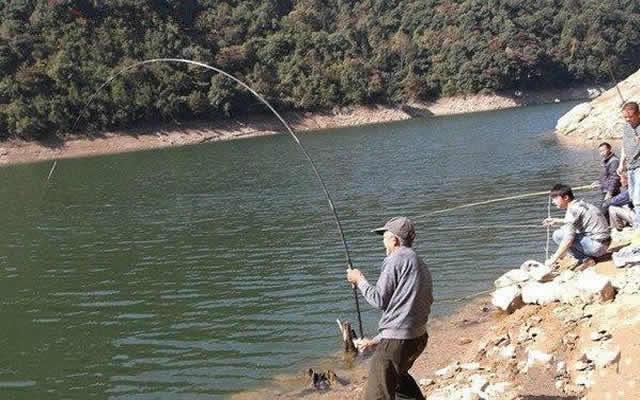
[(480, 203), (284, 123), (472, 227)]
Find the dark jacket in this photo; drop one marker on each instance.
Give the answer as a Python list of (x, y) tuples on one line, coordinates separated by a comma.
[(609, 179)]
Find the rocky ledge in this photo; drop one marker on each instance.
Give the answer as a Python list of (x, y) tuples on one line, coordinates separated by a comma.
[(600, 119)]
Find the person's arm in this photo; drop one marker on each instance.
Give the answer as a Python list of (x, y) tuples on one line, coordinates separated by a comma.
[(380, 294), (562, 250), (365, 344), (552, 221), (569, 229), (623, 158)]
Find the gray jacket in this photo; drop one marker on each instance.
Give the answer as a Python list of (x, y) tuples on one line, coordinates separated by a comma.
[(404, 294), (587, 219)]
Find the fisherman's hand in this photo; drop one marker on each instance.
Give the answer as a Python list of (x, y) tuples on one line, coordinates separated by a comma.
[(354, 276), (595, 185), (607, 196), (620, 170), (548, 221), (365, 344), (550, 262)]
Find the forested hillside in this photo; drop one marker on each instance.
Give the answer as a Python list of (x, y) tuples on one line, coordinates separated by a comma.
[(301, 54)]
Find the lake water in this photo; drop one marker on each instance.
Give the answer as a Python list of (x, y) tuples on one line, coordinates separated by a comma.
[(201, 271)]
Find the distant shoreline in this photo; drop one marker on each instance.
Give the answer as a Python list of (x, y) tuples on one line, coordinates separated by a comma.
[(155, 137)]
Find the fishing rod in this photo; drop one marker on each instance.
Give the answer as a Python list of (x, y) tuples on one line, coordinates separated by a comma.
[(615, 81), (284, 123)]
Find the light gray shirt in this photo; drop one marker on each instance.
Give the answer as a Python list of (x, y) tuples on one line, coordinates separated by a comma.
[(585, 218), (404, 294), (631, 145)]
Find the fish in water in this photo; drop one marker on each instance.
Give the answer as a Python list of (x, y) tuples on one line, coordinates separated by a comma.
[(348, 337), (321, 380)]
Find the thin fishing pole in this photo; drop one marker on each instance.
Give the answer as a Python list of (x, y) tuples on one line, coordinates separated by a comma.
[(615, 81), (546, 249), (286, 125)]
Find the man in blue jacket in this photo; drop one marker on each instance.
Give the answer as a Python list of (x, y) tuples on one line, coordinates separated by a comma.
[(404, 294)]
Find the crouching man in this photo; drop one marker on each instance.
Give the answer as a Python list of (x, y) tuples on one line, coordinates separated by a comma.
[(584, 232)]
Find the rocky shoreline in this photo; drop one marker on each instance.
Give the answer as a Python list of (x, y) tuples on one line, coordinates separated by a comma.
[(154, 137), (561, 334)]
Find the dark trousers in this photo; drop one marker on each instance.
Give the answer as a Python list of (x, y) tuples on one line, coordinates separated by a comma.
[(389, 369)]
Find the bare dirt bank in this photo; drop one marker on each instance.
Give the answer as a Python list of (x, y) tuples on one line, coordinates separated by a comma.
[(482, 353), (153, 137)]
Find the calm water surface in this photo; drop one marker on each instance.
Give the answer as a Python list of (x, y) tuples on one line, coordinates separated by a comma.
[(198, 272)]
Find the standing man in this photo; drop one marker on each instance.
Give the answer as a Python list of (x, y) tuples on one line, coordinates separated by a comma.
[(631, 154), (609, 182), (585, 230), (404, 294)]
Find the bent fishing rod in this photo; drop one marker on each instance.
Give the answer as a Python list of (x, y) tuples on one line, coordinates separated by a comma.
[(284, 123)]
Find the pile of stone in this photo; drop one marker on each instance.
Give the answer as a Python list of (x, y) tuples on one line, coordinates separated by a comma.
[(535, 283), (520, 345), (627, 255), (595, 358), (470, 382), (629, 281)]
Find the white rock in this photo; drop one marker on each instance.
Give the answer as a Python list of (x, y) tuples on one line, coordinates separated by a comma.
[(569, 122), (523, 334), (537, 271), (582, 365), (535, 332), (595, 287), (508, 352), (536, 357), (478, 383), (566, 276), (426, 382), (627, 255), (495, 390), (540, 293), (469, 394), (507, 299), (453, 392), (602, 357), (584, 379), (511, 277), (600, 335), (470, 366), (449, 371), (570, 294), (561, 368)]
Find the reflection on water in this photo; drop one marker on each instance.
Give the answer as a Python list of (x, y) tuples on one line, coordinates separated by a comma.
[(201, 271)]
